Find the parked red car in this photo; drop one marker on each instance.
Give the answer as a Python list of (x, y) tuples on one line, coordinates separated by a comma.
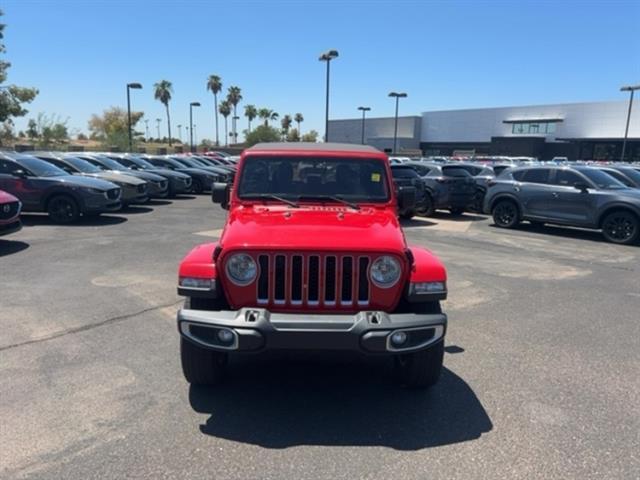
[(10, 208), (312, 257)]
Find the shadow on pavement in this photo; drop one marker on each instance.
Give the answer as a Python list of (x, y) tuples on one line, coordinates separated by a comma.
[(184, 197), (134, 209), (31, 220), (463, 217), (156, 202), (561, 231), (284, 403), (9, 247)]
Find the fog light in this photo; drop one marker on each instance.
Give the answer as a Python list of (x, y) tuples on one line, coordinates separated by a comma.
[(398, 338), (225, 336)]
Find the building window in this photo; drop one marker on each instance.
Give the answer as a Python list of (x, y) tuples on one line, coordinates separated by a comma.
[(533, 128)]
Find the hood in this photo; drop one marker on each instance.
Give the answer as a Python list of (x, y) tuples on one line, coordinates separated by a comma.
[(7, 197), (148, 176), (313, 228), (117, 178), (88, 182), (165, 172)]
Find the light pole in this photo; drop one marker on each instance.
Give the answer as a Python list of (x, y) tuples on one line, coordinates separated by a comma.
[(235, 119), (327, 57), (631, 89), (146, 130), (180, 132), (364, 110), (130, 86), (158, 120), (397, 96), (191, 105)]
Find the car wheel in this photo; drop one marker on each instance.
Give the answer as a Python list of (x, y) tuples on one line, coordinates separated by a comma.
[(621, 227), (63, 209), (420, 369), (456, 211), (408, 215), (506, 214), (426, 209), (196, 186), (478, 200)]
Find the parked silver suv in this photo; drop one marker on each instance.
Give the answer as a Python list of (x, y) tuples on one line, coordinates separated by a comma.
[(578, 196)]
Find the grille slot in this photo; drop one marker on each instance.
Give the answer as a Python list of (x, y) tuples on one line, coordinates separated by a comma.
[(296, 279), (263, 281), (280, 279), (330, 281), (363, 280), (347, 280), (313, 283)]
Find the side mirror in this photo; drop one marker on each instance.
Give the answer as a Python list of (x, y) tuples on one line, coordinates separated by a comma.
[(220, 193), (583, 187), (20, 173), (406, 198)]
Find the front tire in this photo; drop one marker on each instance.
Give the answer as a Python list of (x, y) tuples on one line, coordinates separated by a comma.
[(196, 186), (456, 211), (506, 214), (63, 209), (427, 209), (408, 215), (420, 369), (200, 365), (621, 227)]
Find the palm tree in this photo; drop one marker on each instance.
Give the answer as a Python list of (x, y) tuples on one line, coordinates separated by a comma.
[(299, 119), (225, 111), (265, 114), (214, 83), (251, 112), (234, 96), (163, 91), (286, 124)]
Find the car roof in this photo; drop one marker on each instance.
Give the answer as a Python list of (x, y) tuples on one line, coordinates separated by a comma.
[(306, 147)]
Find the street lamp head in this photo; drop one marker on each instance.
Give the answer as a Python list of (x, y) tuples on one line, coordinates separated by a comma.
[(630, 88), (364, 109), (328, 55), (195, 104), (134, 85), (397, 95)]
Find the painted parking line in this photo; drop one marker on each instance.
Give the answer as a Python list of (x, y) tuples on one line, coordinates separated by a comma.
[(210, 233)]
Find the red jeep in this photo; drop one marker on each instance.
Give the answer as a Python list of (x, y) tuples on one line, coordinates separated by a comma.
[(312, 257)]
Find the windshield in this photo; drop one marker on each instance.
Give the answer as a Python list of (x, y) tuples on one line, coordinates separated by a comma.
[(314, 178), (601, 179), (83, 165), (142, 163), (189, 162), (632, 174), (113, 165), (180, 163), (40, 168)]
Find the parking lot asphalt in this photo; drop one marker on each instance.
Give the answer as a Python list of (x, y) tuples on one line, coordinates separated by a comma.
[(541, 379)]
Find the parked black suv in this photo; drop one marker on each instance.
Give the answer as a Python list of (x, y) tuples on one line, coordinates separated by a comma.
[(447, 187), (42, 187), (405, 176), (578, 196)]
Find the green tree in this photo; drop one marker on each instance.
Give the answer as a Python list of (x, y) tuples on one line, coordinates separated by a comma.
[(111, 127), (214, 84), (225, 111), (298, 118), (267, 115), (12, 97), (293, 136), (251, 112), (286, 125), (311, 136), (234, 95), (163, 91), (32, 129), (260, 134)]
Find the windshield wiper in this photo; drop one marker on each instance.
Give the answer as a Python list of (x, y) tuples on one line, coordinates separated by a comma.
[(335, 198), (269, 196)]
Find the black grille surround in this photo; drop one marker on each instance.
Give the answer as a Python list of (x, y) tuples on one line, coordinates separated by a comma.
[(313, 279), (113, 193), (9, 210)]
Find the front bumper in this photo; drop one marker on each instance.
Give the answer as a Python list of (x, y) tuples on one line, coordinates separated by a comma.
[(257, 329), (110, 206), (7, 228)]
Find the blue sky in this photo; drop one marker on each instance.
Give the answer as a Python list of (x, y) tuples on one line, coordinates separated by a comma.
[(445, 55)]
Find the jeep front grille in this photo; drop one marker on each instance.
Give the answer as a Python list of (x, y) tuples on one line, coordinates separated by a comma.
[(313, 280)]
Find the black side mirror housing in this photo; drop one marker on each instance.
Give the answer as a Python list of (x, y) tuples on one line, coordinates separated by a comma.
[(20, 173), (220, 193), (583, 187), (406, 198)]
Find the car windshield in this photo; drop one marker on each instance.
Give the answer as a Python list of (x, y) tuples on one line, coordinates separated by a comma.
[(113, 165), (41, 168), (82, 165), (601, 179), (180, 163), (311, 178), (143, 163), (632, 173), (190, 163)]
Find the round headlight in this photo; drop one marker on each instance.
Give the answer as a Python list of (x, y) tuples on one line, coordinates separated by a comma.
[(242, 269), (385, 271)]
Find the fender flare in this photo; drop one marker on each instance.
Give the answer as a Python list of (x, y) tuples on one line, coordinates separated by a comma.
[(426, 266), (198, 263)]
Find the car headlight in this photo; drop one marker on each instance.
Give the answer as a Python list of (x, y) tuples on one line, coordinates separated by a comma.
[(197, 283), (241, 268), (385, 271), (94, 191)]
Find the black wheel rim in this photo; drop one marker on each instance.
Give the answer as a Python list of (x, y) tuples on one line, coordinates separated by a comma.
[(619, 227), (505, 214), (197, 186), (61, 210)]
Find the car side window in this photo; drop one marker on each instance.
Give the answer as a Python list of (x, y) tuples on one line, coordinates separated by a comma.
[(536, 175), (567, 178), (518, 175)]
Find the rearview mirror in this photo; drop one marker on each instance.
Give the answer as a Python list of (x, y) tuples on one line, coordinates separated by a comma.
[(406, 198), (220, 193), (583, 187)]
